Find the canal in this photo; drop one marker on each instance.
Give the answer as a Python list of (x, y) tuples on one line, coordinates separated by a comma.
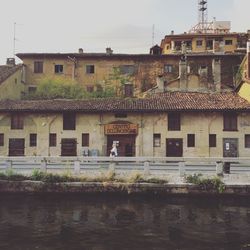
[(51, 222)]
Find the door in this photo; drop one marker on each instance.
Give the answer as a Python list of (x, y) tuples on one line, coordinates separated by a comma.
[(68, 147), (174, 147), (125, 144), (16, 147), (230, 147)]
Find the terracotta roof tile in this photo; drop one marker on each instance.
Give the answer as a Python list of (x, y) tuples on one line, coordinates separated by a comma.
[(7, 71), (170, 101)]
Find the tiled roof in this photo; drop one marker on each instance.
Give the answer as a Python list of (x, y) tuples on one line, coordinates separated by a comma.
[(7, 71), (170, 101)]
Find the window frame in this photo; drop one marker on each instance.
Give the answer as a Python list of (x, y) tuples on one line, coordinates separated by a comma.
[(1, 139), (90, 69), (174, 122), (69, 121), (191, 140), (212, 140), (230, 122), (247, 140), (58, 69), (228, 42), (199, 43), (33, 140), (52, 140), (17, 121), (168, 68), (85, 139), (38, 67), (156, 140)]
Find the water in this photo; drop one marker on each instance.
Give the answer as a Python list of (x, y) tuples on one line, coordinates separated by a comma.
[(117, 223)]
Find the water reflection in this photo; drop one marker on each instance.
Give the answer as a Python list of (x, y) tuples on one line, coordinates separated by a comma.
[(99, 223)]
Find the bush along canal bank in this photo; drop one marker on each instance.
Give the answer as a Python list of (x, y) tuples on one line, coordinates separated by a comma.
[(109, 183)]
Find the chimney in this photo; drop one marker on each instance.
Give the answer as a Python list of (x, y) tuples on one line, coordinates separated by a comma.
[(10, 62), (216, 67), (172, 32), (160, 83), (183, 74), (109, 51), (80, 51)]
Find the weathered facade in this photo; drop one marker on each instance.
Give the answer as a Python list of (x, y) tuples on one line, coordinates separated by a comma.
[(173, 124), (93, 70), (11, 81)]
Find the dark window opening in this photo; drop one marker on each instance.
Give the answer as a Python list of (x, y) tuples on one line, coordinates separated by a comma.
[(247, 141), (230, 122), (1, 139), (191, 140), (32, 89), (228, 42), (38, 67), (212, 141), (174, 123), (168, 68), (16, 121), (157, 140), (199, 43), (90, 69), (58, 69), (52, 140), (85, 140), (69, 121), (121, 115), (33, 140)]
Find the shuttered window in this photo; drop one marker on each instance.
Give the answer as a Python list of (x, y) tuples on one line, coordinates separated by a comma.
[(85, 140)]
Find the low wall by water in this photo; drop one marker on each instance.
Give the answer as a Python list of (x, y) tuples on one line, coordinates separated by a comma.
[(119, 188)]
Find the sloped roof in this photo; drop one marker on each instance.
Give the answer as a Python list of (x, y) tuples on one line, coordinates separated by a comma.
[(164, 102), (7, 71)]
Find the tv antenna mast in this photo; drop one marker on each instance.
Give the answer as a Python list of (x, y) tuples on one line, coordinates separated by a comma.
[(14, 41)]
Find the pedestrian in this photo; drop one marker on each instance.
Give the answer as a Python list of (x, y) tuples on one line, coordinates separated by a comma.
[(113, 151)]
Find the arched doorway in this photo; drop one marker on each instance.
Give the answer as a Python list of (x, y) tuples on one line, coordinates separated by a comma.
[(124, 135)]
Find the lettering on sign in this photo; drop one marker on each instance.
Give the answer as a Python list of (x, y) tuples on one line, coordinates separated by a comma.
[(119, 129)]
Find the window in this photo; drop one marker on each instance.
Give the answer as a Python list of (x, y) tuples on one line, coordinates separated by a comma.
[(1, 139), (58, 69), (168, 68), (52, 140), (212, 141), (33, 138), (38, 67), (228, 42), (209, 44), (127, 69), (69, 121), (121, 115), (174, 123), (199, 43), (32, 89), (157, 140), (128, 90), (85, 140), (16, 121), (247, 141), (230, 122), (191, 140), (90, 69)]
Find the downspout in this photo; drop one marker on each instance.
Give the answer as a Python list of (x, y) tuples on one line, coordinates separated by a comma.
[(74, 61)]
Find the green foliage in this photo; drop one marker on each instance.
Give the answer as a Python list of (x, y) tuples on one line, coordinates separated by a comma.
[(54, 88), (10, 175), (206, 183)]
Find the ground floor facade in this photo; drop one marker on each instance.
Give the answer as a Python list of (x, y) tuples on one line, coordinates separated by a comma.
[(166, 134)]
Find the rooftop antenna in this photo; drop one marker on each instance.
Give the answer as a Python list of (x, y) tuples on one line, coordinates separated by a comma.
[(153, 35), (14, 41), (202, 10)]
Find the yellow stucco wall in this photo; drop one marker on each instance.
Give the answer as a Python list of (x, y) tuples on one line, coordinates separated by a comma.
[(12, 87), (200, 124), (244, 91)]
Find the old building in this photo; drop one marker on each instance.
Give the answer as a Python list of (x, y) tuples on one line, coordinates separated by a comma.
[(167, 124), (11, 80), (141, 71)]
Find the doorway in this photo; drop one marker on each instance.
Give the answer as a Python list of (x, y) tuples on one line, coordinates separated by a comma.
[(68, 147), (174, 147), (230, 147), (125, 144)]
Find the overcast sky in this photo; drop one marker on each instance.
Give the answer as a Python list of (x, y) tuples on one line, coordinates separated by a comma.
[(125, 26)]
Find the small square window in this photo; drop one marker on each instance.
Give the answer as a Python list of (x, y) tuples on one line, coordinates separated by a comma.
[(212, 141), (191, 140), (90, 69), (168, 68), (247, 141), (228, 42), (52, 140), (58, 69), (121, 115), (199, 43), (157, 140), (33, 140), (16, 121)]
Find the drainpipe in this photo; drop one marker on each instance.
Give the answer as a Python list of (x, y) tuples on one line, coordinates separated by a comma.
[(74, 61)]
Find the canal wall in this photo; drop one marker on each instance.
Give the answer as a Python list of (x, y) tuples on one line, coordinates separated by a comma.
[(121, 188)]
